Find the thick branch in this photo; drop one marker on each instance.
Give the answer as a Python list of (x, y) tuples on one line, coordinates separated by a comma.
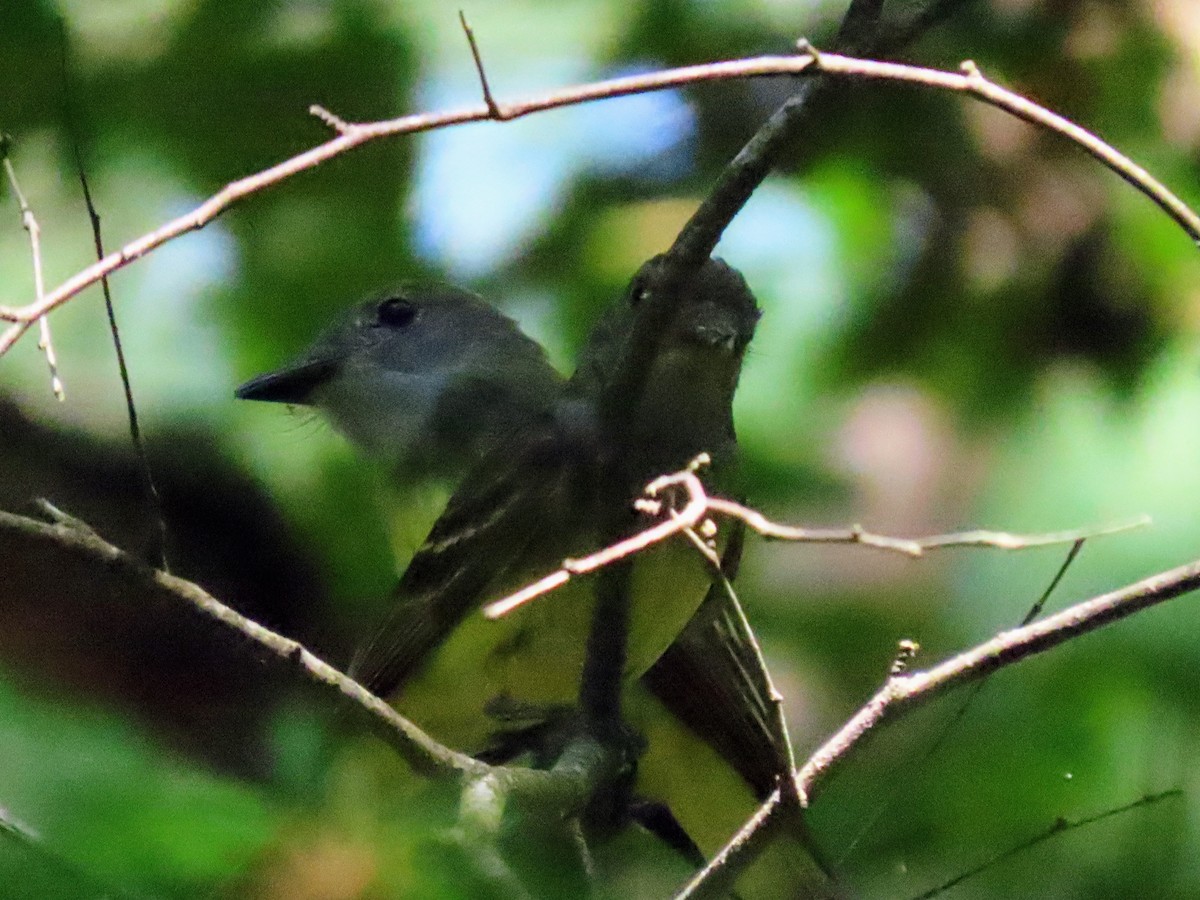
[(904, 693), (563, 791), (78, 542), (746, 171)]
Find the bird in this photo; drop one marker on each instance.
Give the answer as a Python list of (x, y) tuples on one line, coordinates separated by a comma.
[(558, 489), (533, 456)]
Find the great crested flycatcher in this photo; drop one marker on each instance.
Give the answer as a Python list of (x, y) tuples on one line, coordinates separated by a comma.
[(424, 380), (410, 365), (547, 494)]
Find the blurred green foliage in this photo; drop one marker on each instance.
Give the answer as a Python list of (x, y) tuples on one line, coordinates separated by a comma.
[(967, 323)]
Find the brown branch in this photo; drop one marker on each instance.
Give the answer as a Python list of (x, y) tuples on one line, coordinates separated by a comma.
[(969, 80), (584, 768), (715, 879), (904, 692), (914, 547), (70, 536), (351, 135), (697, 506), (334, 123), (488, 99), (858, 34), (679, 521)]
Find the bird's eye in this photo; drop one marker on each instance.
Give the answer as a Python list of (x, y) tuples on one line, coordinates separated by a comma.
[(396, 312), (639, 290)]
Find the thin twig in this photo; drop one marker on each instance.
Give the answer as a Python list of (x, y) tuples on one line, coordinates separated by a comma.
[(493, 107), (335, 123), (742, 176), (970, 82), (1036, 609), (914, 547), (699, 505), (159, 549), (901, 694), (30, 224), (689, 516), (423, 753), (715, 879), (898, 784), (1060, 826)]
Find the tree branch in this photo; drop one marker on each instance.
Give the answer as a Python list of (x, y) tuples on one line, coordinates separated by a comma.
[(351, 135), (30, 223), (683, 505), (1059, 826), (76, 540), (904, 692), (585, 768)]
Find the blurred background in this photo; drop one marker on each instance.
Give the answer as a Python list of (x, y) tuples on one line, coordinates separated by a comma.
[(968, 323)]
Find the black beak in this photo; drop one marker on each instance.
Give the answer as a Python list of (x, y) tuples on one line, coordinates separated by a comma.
[(294, 384)]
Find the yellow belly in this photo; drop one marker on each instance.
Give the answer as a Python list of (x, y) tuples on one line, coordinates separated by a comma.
[(535, 655)]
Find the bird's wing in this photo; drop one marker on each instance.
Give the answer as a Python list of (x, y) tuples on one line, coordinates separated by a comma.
[(712, 680), (503, 509)]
